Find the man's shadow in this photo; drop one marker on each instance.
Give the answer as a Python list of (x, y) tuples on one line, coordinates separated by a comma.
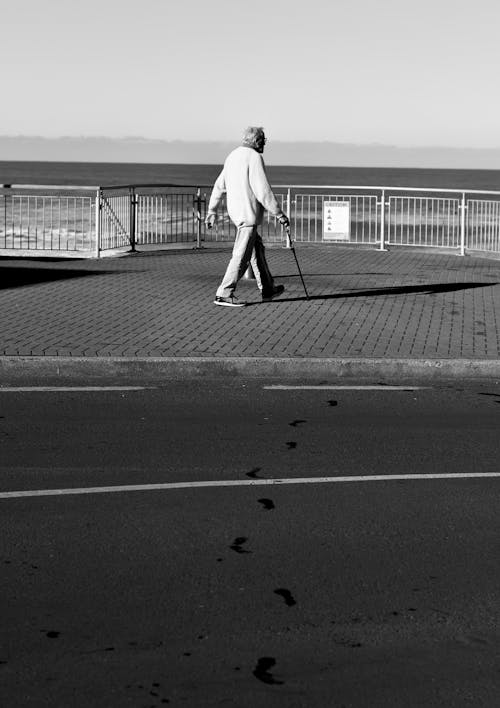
[(427, 288)]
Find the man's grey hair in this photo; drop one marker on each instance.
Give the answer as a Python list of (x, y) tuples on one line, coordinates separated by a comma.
[(253, 137)]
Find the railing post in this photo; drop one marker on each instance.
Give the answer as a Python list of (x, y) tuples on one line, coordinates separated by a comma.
[(288, 213), (3, 196), (198, 217), (133, 205), (462, 225), (382, 222), (98, 223)]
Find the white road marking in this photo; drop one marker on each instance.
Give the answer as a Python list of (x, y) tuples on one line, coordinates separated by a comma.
[(243, 483), (70, 389), (327, 387)]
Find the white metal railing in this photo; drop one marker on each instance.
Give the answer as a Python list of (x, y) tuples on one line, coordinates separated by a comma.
[(166, 218), (90, 220), (483, 225), (423, 221), (307, 217), (47, 222)]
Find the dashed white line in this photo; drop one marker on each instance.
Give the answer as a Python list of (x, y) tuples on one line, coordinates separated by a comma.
[(328, 387), (243, 483), (68, 389)]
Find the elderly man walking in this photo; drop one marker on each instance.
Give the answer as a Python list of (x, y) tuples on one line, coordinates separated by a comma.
[(248, 193)]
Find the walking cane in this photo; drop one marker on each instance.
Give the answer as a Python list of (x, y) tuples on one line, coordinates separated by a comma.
[(296, 261)]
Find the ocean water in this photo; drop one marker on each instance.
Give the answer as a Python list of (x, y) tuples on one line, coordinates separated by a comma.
[(107, 174)]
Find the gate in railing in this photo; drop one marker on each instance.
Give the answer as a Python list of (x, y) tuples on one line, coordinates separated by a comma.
[(88, 222)]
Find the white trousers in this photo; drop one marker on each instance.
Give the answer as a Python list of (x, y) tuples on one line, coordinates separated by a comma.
[(248, 248)]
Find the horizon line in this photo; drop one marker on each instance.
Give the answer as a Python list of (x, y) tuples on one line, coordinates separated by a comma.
[(209, 141)]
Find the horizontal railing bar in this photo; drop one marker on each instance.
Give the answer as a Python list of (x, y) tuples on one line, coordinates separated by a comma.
[(154, 186), (386, 189), (365, 187), (38, 187), (318, 186)]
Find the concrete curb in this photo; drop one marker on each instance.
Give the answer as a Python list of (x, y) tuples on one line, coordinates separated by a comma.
[(18, 369)]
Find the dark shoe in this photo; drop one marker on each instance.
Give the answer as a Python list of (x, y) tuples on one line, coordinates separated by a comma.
[(274, 292), (231, 301)]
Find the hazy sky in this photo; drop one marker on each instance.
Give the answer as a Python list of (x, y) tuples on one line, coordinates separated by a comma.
[(419, 72)]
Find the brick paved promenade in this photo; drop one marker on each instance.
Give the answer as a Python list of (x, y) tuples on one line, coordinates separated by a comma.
[(363, 303)]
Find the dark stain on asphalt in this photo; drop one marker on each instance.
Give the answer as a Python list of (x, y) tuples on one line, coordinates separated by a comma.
[(52, 634), (266, 503), (253, 473), (291, 445), (332, 403), (294, 423), (97, 651), (262, 672), (153, 691), (237, 545), (495, 395), (286, 595)]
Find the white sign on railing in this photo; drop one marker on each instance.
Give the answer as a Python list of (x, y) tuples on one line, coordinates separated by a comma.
[(336, 221)]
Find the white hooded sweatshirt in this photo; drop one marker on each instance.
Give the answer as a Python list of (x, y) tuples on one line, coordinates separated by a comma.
[(248, 192)]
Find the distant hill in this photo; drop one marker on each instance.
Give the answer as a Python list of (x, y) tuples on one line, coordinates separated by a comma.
[(134, 149)]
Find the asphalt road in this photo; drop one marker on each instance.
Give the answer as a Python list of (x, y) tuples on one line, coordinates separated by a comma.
[(338, 593)]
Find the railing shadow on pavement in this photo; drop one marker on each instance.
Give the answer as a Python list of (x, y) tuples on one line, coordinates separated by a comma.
[(18, 276)]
